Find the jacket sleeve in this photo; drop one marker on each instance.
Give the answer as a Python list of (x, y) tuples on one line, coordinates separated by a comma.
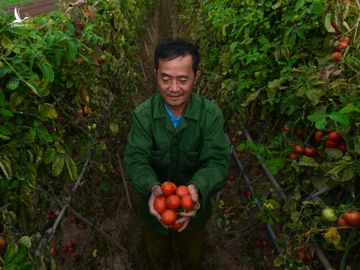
[(137, 159), (214, 159)]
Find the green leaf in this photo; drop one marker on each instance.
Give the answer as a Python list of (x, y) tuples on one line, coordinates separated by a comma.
[(6, 113), (3, 71), (10, 252), (72, 168), (32, 87), (49, 156), (57, 165), (5, 166), (16, 99), (333, 153), (279, 261), (342, 119), (327, 23), (29, 136), (47, 71), (25, 241), (308, 161), (13, 83), (349, 108), (47, 110), (320, 119)]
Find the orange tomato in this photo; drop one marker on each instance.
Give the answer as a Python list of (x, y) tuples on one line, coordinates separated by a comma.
[(168, 188), (173, 202), (186, 202), (182, 190), (160, 204), (168, 217)]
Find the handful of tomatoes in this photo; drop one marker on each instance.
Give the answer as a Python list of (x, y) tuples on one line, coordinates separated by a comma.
[(173, 199)]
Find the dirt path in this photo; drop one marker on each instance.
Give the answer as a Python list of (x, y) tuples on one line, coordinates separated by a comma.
[(35, 8)]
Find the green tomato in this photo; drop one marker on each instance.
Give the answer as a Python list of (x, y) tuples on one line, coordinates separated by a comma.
[(328, 214)]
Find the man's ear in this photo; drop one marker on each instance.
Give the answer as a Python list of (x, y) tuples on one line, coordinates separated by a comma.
[(197, 75), (155, 73)]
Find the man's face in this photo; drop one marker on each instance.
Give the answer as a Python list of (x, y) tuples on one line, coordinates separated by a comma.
[(175, 79)]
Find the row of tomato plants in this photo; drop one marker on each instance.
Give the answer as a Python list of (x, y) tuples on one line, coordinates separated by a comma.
[(290, 71), (66, 87)]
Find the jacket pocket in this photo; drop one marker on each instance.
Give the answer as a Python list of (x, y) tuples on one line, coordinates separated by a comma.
[(189, 161), (159, 159)]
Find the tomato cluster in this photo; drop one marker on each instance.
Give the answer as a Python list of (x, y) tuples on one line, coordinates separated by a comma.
[(173, 199), (349, 218), (331, 140)]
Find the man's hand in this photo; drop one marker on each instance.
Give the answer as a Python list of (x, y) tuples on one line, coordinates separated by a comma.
[(185, 216), (155, 191)]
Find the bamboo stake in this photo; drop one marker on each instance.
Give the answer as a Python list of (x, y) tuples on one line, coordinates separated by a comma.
[(123, 178)]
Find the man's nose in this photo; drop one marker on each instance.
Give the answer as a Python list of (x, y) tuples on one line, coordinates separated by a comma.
[(174, 86)]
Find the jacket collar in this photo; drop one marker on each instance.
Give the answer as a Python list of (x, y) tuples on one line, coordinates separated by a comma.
[(192, 108)]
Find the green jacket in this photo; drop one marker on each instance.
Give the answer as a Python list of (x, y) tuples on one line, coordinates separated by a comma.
[(196, 152)]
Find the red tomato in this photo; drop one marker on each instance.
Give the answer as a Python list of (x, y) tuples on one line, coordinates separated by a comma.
[(345, 38), (173, 202), (168, 217), (2, 243), (336, 56), (186, 202), (318, 135), (330, 144), (352, 218), (182, 190), (334, 136), (53, 251), (299, 149), (168, 188), (292, 156), (177, 226), (342, 45), (56, 212), (309, 151), (341, 222), (342, 148), (231, 177), (286, 128), (160, 204)]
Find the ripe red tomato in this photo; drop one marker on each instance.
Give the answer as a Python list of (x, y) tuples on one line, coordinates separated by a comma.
[(304, 254), (336, 56), (286, 128), (182, 190), (160, 204), (352, 217), (53, 251), (186, 202), (168, 217), (345, 38), (231, 177), (299, 149), (309, 151), (330, 144), (334, 136), (168, 188), (342, 45), (341, 222), (2, 243), (56, 212), (318, 135), (177, 226), (342, 148), (173, 202), (292, 156)]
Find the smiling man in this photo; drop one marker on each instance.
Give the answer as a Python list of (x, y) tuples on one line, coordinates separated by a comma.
[(177, 136)]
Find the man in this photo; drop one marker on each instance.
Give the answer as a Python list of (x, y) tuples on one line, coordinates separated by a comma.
[(177, 136)]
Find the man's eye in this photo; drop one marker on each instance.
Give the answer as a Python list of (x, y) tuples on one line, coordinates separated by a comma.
[(183, 81)]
